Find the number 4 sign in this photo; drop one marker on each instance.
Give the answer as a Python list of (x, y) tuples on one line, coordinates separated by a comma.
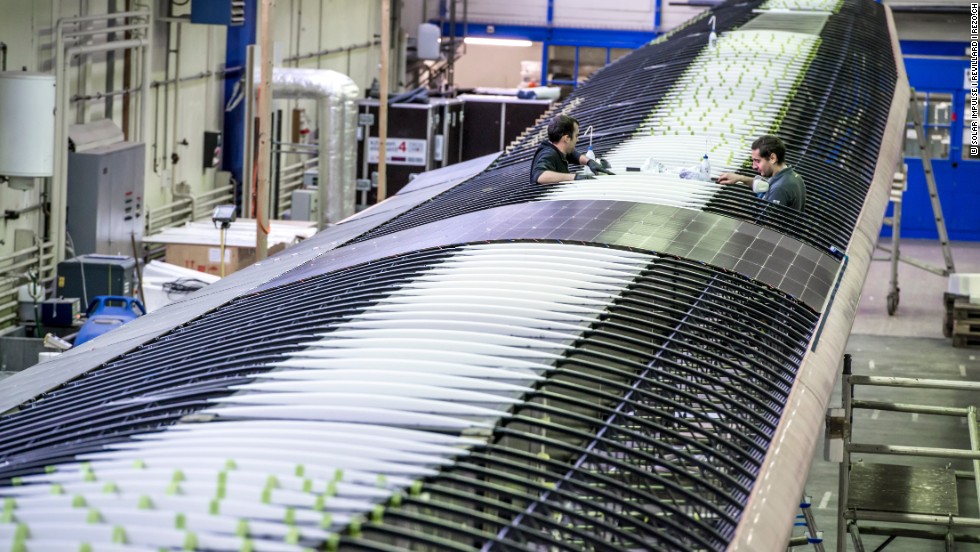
[(399, 151)]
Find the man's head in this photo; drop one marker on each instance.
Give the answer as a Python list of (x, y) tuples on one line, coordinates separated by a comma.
[(563, 133), (768, 153)]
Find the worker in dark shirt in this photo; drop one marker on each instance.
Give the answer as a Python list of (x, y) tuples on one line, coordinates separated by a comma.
[(550, 164), (786, 187)]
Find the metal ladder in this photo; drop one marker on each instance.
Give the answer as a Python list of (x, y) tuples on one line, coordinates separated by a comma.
[(895, 221)]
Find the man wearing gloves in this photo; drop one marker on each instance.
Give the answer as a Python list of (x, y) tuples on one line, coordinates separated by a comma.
[(550, 164), (785, 187)]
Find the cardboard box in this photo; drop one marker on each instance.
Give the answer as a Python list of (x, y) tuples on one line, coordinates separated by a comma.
[(207, 258), (197, 245)]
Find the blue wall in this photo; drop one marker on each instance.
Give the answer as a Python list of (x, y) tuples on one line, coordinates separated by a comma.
[(233, 143), (957, 180)]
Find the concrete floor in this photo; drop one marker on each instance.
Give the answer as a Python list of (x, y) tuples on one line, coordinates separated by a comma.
[(909, 344)]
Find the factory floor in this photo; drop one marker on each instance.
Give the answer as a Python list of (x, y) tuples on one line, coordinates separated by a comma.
[(909, 344)]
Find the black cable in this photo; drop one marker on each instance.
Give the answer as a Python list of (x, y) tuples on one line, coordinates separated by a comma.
[(183, 286)]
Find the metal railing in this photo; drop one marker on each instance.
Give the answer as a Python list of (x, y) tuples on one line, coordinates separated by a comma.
[(14, 269), (167, 215), (290, 178), (204, 203), (186, 209)]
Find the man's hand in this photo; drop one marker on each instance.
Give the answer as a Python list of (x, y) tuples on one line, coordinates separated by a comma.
[(583, 176), (729, 178), (597, 168)]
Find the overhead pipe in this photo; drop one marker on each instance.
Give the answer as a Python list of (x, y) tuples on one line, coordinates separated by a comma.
[(101, 17), (90, 32), (104, 30), (327, 52), (197, 76), (103, 95)]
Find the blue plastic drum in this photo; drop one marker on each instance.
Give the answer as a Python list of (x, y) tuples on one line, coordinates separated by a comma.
[(107, 312)]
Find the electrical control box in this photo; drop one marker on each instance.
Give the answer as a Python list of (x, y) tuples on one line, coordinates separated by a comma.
[(60, 312), (87, 276), (304, 205), (212, 150), (311, 177), (105, 199), (218, 12)]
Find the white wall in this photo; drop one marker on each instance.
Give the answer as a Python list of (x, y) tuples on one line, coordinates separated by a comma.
[(180, 114), (302, 28), (184, 112), (24, 27), (493, 66), (511, 12), (940, 27), (672, 15), (614, 14), (307, 29)]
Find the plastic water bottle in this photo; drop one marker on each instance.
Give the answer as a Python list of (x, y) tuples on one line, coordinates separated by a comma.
[(591, 155), (705, 168), (713, 37)]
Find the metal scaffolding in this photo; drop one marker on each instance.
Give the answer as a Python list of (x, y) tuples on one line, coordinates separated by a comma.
[(914, 502)]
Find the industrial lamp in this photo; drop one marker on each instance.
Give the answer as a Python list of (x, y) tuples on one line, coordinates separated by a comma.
[(225, 214)]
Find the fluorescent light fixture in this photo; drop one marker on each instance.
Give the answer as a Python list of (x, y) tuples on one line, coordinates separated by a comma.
[(480, 41)]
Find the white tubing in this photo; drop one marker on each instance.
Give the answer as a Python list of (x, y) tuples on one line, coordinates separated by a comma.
[(336, 96)]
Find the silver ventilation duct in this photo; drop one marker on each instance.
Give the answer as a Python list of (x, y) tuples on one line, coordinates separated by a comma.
[(336, 95)]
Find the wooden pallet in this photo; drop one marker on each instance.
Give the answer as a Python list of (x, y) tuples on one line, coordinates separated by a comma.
[(964, 310), (966, 341), (965, 324), (949, 300)]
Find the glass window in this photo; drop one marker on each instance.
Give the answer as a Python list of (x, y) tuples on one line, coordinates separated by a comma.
[(911, 146), (590, 60), (938, 142), (562, 62), (940, 106), (936, 109), (617, 53)]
